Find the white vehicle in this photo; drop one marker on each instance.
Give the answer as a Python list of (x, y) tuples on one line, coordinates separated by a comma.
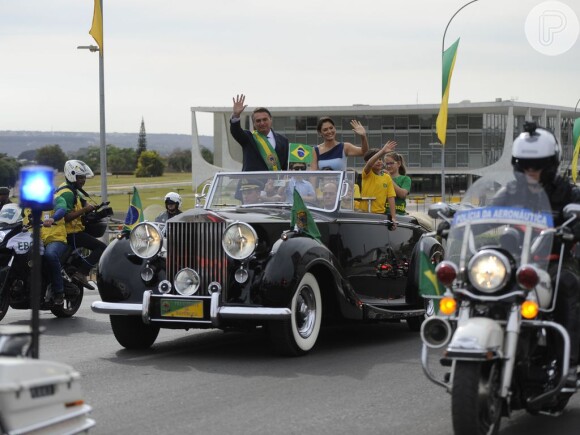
[(36, 396)]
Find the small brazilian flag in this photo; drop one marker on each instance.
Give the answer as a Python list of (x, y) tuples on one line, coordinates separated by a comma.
[(302, 219), (135, 212), (300, 153), (428, 283)]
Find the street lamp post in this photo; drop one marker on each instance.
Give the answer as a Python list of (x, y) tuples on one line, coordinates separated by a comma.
[(94, 48), (442, 55)]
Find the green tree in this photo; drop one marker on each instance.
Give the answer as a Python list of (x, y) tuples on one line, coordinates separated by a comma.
[(9, 168), (150, 165), (179, 160), (207, 155), (142, 141), (29, 155), (51, 155), (120, 159)]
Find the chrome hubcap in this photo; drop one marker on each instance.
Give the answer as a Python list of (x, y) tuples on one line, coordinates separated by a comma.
[(305, 311)]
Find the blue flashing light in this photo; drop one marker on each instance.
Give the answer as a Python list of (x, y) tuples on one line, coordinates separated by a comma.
[(37, 187)]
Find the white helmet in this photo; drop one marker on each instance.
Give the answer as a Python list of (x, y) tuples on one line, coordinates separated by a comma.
[(72, 168), (173, 197), (538, 148)]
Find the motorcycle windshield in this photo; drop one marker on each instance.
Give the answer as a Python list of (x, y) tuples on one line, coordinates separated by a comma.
[(505, 214)]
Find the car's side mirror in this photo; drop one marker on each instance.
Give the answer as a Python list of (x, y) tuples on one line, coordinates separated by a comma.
[(439, 210), (572, 210)]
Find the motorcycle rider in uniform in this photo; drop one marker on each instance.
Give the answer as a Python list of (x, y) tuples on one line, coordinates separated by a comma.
[(76, 172), (53, 236), (172, 203), (536, 154)]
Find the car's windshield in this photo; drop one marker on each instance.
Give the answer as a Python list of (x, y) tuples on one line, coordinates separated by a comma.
[(320, 190), (505, 213)]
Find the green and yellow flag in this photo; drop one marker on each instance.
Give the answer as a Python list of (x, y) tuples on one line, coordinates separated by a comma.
[(576, 136), (135, 212), (302, 219), (428, 283), (449, 57), (300, 153), (97, 28)]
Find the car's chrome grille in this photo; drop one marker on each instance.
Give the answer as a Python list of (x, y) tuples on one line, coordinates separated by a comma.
[(197, 245)]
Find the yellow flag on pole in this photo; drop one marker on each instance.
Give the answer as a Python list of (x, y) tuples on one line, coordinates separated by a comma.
[(97, 28), (449, 57)]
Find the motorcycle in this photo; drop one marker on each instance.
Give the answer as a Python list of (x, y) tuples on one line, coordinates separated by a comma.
[(495, 328), (15, 265)]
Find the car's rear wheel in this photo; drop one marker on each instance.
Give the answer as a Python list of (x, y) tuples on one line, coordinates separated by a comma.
[(298, 335), (132, 333)]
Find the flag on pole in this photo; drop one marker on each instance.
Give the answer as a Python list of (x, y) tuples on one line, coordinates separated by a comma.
[(135, 212), (449, 56), (428, 283), (576, 141), (97, 28), (300, 153), (302, 219)]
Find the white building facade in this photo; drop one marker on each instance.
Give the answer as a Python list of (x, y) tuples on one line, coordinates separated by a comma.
[(479, 136)]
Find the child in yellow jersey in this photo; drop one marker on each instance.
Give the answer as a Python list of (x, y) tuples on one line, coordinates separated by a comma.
[(377, 184)]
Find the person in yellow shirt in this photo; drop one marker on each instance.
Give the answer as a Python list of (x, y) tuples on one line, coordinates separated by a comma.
[(378, 184)]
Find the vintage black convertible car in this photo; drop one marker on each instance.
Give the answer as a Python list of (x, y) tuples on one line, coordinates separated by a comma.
[(235, 262)]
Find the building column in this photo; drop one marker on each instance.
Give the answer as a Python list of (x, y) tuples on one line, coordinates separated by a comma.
[(544, 118), (558, 129), (200, 169)]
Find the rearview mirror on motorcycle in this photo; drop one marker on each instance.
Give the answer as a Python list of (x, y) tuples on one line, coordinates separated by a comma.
[(440, 210), (572, 210)]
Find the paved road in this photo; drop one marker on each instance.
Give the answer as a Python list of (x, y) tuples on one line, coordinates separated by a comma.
[(360, 380)]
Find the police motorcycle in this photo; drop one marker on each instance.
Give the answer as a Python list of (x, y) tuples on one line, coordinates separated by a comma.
[(15, 268), (500, 347)]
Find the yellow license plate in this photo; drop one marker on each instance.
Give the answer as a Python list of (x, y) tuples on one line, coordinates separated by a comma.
[(180, 308)]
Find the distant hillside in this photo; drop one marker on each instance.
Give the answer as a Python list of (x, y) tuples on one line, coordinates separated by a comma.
[(15, 142)]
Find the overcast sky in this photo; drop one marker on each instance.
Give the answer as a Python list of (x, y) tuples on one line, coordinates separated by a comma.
[(164, 56)]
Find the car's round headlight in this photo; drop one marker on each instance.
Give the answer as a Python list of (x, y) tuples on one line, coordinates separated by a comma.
[(239, 240), (186, 282), (146, 240), (489, 271)]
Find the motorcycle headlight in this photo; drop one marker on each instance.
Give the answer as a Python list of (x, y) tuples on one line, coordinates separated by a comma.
[(239, 240), (146, 240), (489, 271), (186, 282)]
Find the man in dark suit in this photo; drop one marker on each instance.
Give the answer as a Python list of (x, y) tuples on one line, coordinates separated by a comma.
[(263, 149)]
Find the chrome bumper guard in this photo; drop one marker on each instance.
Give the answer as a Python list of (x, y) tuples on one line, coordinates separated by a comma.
[(117, 308), (217, 312)]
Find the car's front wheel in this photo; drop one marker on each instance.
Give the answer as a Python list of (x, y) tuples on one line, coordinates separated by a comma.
[(297, 335), (132, 333)]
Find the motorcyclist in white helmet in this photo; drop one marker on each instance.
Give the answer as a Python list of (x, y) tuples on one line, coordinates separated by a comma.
[(172, 204), (76, 173), (536, 158)]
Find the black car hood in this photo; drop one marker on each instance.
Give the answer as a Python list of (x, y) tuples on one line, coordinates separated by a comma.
[(260, 215)]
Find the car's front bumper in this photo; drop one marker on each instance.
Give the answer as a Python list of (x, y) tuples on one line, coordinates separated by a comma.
[(214, 313)]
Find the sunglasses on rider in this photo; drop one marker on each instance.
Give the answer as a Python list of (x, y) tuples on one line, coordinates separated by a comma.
[(532, 164)]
